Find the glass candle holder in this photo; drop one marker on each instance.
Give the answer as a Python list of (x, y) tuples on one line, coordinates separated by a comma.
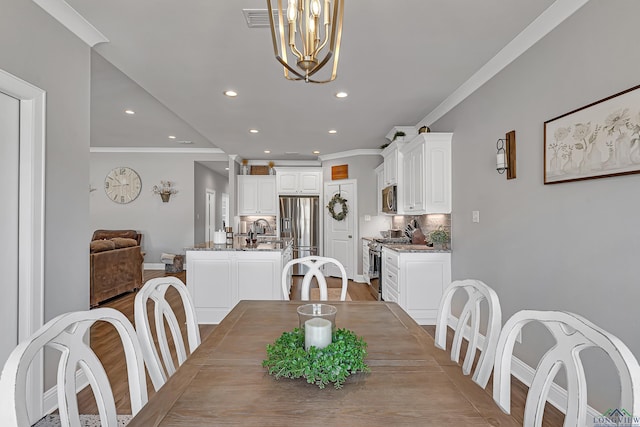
[(323, 311)]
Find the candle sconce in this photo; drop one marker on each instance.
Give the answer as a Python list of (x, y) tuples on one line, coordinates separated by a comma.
[(506, 156)]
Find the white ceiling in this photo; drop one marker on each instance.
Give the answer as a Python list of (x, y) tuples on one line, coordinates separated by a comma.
[(399, 60)]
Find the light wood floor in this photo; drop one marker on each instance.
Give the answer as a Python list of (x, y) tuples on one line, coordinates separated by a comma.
[(108, 348)]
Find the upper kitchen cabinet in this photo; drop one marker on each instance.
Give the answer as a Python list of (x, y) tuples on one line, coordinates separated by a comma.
[(426, 174), (392, 164), (257, 195), (298, 181)]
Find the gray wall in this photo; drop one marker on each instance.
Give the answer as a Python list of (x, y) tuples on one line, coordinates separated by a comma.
[(205, 178), (167, 227), (571, 246), (35, 48)]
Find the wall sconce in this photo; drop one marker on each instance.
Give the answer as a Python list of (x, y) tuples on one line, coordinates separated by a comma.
[(506, 156), (165, 190)]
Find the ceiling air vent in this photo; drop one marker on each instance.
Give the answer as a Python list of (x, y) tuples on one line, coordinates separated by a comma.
[(185, 142), (258, 18)]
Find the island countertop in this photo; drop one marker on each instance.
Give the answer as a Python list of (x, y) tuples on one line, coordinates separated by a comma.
[(240, 244)]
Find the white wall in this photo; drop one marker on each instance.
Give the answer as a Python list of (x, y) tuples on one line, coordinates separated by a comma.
[(167, 227), (571, 246)]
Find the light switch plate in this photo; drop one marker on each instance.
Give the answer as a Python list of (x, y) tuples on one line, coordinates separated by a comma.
[(475, 216)]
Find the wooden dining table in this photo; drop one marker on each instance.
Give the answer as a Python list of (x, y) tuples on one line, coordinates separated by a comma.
[(411, 382)]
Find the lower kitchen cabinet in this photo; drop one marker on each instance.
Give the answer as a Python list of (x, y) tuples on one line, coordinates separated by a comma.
[(218, 280), (416, 280)]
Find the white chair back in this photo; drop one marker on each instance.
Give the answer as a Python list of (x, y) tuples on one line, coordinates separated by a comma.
[(314, 263), (65, 333), (476, 291), (573, 334), (155, 290)]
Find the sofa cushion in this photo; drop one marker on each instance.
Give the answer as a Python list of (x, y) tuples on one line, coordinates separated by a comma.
[(123, 242), (101, 246), (108, 234)]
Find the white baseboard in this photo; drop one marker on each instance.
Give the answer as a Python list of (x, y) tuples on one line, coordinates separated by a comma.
[(524, 373), (153, 266), (50, 397), (359, 278)]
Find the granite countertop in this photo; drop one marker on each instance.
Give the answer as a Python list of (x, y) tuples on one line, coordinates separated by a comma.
[(409, 248), (240, 244)]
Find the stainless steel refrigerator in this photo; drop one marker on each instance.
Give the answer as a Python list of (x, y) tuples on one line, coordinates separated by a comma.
[(299, 220)]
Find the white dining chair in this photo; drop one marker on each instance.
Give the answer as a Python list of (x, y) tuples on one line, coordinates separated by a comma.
[(314, 263), (155, 290), (476, 292), (573, 334), (65, 333)]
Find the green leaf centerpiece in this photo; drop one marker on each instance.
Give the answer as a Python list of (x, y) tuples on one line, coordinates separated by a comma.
[(333, 364)]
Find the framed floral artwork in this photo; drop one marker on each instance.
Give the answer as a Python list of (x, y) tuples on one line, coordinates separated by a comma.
[(598, 140)]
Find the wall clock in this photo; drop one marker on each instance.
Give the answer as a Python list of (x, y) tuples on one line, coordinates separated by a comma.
[(122, 185)]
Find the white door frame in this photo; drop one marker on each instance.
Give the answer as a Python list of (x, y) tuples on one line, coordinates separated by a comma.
[(209, 198), (31, 228)]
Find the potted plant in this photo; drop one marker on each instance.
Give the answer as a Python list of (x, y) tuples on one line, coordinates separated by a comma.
[(399, 135), (439, 237), (165, 190)]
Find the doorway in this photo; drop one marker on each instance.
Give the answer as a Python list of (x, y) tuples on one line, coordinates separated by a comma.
[(210, 215), (340, 236), (22, 153)]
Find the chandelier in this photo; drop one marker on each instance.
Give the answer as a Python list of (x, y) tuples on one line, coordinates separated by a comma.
[(312, 35)]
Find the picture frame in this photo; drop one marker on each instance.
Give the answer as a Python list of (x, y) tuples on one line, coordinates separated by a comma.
[(599, 140)]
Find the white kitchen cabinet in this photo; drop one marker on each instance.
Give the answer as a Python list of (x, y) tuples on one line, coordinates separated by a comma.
[(217, 280), (298, 181), (416, 280), (413, 180), (392, 166), (426, 168), (257, 195)]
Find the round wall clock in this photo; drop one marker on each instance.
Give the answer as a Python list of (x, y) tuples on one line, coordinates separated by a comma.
[(122, 185)]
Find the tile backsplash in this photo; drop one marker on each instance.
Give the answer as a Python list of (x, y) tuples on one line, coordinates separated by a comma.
[(427, 223)]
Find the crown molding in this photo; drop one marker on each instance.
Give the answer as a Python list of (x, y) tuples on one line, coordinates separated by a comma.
[(167, 150), (553, 16), (73, 21), (350, 153)]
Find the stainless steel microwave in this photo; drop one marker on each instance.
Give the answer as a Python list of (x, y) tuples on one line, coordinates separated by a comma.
[(390, 199)]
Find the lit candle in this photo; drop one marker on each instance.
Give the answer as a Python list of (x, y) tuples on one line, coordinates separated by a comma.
[(317, 333)]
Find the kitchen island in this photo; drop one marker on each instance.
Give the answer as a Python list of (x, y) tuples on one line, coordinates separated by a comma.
[(220, 275)]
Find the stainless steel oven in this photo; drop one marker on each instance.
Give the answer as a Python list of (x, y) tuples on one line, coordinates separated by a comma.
[(375, 266)]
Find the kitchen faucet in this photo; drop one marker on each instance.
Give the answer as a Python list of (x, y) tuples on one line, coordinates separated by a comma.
[(256, 226)]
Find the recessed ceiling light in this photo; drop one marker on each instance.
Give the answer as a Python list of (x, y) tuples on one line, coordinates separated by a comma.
[(230, 93), (332, 131), (226, 169), (316, 152), (267, 151), (253, 130), (172, 137), (131, 112), (342, 95)]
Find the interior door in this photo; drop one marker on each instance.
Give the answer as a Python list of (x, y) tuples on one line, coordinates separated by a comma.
[(9, 174), (341, 236)]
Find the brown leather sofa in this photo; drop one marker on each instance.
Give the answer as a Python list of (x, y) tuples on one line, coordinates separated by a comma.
[(115, 264)]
